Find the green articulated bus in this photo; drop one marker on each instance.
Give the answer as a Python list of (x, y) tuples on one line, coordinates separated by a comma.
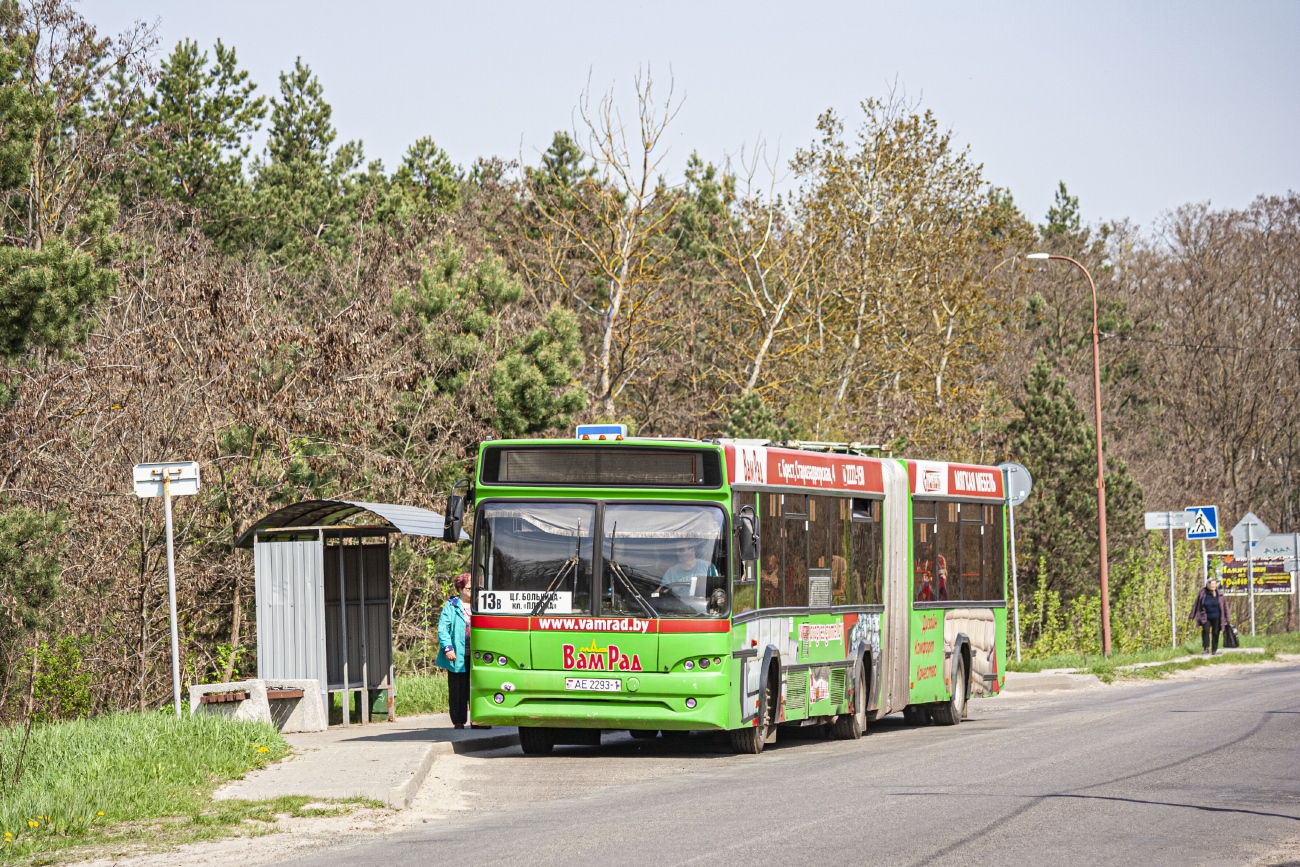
[(672, 585)]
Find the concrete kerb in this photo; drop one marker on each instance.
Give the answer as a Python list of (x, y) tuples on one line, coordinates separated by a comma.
[(383, 761), (400, 797), (1044, 681)]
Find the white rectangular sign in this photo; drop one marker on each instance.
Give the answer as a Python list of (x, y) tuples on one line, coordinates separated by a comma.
[(523, 602), (593, 684), (148, 478), (1167, 520), (1279, 545)]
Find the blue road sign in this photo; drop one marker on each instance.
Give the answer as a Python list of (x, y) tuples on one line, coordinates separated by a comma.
[(1204, 523)]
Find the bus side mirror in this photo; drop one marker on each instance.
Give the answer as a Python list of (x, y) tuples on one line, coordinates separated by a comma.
[(454, 516), (747, 533)]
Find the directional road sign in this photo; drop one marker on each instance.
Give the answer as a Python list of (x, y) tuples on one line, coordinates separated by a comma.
[(1277, 545), (1257, 531), (1168, 520), (1204, 523), (148, 478)]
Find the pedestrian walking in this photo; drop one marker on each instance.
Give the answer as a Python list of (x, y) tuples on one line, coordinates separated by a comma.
[(453, 650), (1210, 611)]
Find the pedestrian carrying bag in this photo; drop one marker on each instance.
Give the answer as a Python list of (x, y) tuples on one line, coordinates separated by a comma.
[(1230, 636)]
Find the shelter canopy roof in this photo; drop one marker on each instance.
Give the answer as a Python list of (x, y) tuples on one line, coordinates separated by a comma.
[(411, 520)]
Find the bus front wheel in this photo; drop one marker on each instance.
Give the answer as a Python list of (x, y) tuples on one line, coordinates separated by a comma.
[(750, 740), (536, 741)]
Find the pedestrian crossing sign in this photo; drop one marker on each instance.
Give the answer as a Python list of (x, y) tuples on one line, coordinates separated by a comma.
[(1204, 523)]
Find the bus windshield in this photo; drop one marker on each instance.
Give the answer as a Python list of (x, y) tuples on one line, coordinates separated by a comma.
[(664, 561), (534, 558)]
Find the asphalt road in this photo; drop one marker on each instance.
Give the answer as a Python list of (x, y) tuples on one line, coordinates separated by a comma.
[(1178, 773)]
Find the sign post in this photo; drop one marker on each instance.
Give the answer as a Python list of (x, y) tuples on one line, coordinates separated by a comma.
[(1248, 533), (1203, 524), (1018, 485), (169, 480), (1170, 521)]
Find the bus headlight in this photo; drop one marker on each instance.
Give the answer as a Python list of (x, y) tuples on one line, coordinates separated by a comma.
[(499, 697), (487, 657), (689, 664), (690, 703), (501, 660), (704, 663)]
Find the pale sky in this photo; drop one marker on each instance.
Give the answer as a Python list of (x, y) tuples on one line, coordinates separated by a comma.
[(1138, 107)]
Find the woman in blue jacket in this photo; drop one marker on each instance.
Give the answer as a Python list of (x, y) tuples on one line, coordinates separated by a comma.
[(453, 650)]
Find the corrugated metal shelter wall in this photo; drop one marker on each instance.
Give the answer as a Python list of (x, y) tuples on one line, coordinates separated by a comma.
[(290, 610), (378, 637)]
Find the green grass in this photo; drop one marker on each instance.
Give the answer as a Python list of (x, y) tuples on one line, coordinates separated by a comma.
[(1081, 661), (218, 819), (1288, 642), (82, 777), (1156, 672), (1285, 643), (421, 693)]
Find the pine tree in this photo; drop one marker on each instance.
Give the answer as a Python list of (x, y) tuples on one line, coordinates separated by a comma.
[(1058, 524), (201, 118), (305, 192), (55, 152)]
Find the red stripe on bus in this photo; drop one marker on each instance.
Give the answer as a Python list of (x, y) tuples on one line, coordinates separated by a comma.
[(496, 621), (694, 626)]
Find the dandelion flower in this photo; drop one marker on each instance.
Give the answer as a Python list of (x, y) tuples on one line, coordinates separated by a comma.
[(100, 813), (261, 749)]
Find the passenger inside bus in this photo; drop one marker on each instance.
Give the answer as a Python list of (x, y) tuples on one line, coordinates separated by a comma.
[(683, 577)]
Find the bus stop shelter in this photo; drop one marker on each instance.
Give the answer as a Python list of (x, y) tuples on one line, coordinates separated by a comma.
[(324, 595)]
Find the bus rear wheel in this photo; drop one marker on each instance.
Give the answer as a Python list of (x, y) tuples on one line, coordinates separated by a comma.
[(851, 726), (536, 741), (950, 712)]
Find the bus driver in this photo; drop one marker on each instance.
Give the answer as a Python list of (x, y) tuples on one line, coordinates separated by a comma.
[(686, 571)]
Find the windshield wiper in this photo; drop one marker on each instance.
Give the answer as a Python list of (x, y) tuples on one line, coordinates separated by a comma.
[(617, 571), (568, 566)]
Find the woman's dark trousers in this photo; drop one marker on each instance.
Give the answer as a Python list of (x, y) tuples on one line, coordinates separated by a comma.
[(1210, 636), (458, 694)]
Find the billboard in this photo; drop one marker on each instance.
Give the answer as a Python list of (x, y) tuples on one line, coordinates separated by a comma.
[(1271, 577)]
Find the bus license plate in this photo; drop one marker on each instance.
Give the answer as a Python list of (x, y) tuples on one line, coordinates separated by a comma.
[(593, 684)]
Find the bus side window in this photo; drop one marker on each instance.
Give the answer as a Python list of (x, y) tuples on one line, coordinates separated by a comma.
[(923, 577), (842, 554), (823, 549), (995, 553), (744, 575), (974, 570), (794, 561), (948, 568), (865, 535), (769, 570)]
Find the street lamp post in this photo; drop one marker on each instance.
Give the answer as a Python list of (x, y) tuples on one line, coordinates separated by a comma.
[(1101, 460)]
